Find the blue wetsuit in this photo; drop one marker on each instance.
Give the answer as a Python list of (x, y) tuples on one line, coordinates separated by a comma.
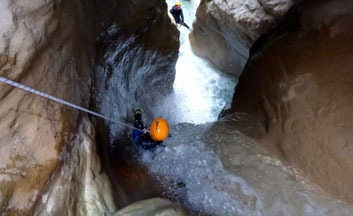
[(137, 134)]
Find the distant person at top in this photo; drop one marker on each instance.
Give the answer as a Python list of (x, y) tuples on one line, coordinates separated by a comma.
[(178, 15)]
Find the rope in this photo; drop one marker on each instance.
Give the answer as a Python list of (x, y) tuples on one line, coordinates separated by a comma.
[(36, 92)]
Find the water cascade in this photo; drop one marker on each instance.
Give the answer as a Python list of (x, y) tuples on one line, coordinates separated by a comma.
[(201, 91)]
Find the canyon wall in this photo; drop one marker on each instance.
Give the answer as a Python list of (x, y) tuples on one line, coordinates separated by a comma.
[(225, 30), (42, 47), (295, 94)]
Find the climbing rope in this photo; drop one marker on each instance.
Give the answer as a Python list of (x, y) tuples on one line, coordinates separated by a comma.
[(36, 92)]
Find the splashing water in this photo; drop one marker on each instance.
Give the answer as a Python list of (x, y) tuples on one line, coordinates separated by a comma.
[(126, 78)]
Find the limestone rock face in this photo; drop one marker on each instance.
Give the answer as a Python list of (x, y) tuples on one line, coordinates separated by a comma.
[(225, 29), (153, 207), (78, 187), (295, 94), (41, 47)]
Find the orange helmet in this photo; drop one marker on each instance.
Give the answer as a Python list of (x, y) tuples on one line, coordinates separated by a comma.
[(159, 129)]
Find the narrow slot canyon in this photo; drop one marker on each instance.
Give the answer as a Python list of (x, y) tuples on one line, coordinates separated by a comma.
[(257, 95)]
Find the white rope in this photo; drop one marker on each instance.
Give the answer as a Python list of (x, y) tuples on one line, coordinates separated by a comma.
[(36, 92)]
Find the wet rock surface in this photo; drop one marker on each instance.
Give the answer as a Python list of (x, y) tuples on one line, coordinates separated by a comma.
[(149, 21), (225, 29), (78, 187), (40, 47), (295, 95)]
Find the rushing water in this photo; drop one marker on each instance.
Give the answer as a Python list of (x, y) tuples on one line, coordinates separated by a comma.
[(200, 90), (206, 165), (224, 173)]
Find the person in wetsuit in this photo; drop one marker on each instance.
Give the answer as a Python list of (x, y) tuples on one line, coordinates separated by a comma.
[(142, 137), (178, 15)]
